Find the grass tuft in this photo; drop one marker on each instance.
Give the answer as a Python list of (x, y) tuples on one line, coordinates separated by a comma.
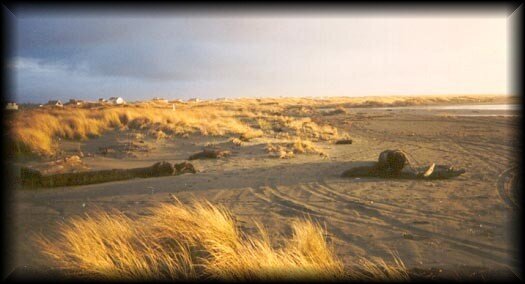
[(197, 241)]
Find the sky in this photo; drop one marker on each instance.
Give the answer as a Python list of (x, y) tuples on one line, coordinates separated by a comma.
[(63, 55)]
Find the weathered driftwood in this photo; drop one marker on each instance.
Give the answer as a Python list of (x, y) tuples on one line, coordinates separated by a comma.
[(343, 141), (34, 178), (440, 172), (209, 154)]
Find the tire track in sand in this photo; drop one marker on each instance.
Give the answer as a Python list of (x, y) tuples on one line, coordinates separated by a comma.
[(272, 196), (476, 248), (308, 212), (505, 186), (389, 223), (385, 207)]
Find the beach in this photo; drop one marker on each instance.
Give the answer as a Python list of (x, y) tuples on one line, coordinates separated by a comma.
[(451, 224)]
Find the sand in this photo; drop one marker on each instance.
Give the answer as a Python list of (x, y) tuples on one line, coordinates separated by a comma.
[(449, 224)]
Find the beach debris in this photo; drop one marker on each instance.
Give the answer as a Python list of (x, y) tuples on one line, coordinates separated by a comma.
[(343, 141), (407, 236), (392, 162), (337, 110), (248, 136), (184, 167), (161, 169), (361, 171), (72, 159), (106, 150), (67, 164), (209, 154), (236, 141), (439, 172), (445, 172), (429, 170), (244, 138), (35, 178), (395, 164), (158, 134), (278, 151), (124, 147), (288, 150)]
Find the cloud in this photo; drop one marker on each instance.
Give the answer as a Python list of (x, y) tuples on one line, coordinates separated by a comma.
[(60, 55)]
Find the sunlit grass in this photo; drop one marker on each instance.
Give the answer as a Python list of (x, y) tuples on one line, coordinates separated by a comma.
[(198, 241), (37, 130), (289, 150)]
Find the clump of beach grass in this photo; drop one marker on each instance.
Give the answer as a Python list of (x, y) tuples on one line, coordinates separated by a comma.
[(236, 141), (197, 241), (289, 150), (279, 151)]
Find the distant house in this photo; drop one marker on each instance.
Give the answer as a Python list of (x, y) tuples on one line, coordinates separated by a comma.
[(221, 99), (160, 100), (11, 106), (75, 102), (56, 103), (102, 100), (195, 100), (116, 100)]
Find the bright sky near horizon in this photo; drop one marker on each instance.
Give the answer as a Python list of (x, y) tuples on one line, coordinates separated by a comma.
[(61, 56)]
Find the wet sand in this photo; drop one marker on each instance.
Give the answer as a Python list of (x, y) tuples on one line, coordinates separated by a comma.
[(450, 224)]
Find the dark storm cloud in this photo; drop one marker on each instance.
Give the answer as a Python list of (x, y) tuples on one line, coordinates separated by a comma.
[(138, 48)]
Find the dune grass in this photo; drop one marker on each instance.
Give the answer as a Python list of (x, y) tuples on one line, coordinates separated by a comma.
[(198, 241), (289, 150), (38, 130)]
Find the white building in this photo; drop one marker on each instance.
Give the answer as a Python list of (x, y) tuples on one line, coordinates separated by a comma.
[(116, 100), (56, 103), (11, 106), (195, 100)]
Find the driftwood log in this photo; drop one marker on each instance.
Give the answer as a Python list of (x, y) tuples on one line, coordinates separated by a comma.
[(440, 172), (209, 154), (343, 141), (34, 178)]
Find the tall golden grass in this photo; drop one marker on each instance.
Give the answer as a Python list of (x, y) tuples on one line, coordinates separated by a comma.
[(37, 130), (198, 241)]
